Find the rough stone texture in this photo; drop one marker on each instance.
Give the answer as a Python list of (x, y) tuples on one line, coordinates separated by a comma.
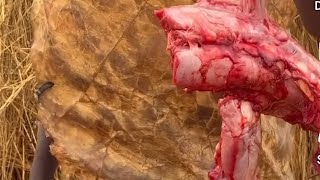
[(113, 109)]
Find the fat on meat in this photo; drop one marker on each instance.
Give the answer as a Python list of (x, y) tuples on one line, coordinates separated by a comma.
[(232, 46)]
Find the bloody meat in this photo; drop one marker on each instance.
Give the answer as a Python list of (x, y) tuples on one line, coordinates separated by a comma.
[(233, 47)]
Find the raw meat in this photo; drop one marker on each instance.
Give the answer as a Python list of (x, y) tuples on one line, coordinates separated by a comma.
[(233, 47)]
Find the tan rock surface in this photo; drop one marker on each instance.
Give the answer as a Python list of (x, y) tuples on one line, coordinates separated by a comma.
[(113, 109)]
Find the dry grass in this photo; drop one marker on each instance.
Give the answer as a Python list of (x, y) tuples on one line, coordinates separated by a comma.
[(18, 108), (305, 141), (284, 12)]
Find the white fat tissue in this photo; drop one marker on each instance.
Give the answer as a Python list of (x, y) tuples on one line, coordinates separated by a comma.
[(218, 71), (231, 112), (188, 69), (247, 112)]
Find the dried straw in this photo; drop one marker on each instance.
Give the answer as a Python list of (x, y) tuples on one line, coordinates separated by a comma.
[(17, 106)]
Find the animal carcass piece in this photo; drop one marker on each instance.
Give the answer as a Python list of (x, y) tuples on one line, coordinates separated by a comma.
[(234, 48)]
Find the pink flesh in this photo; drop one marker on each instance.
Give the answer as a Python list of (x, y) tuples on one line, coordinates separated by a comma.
[(232, 47), (237, 152)]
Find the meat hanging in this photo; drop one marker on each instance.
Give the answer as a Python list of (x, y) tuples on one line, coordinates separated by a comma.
[(233, 47)]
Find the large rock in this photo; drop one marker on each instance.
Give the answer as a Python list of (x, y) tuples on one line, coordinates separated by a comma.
[(113, 109)]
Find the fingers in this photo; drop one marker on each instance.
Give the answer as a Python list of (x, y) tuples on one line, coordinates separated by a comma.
[(42, 88)]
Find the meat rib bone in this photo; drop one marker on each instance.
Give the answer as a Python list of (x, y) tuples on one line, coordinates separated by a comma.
[(232, 47)]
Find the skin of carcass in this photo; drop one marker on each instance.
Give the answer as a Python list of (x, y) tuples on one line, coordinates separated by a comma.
[(234, 48)]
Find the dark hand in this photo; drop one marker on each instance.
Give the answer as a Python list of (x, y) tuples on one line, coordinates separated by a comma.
[(44, 164)]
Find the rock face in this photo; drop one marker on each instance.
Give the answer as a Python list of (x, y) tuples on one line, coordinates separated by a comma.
[(114, 109)]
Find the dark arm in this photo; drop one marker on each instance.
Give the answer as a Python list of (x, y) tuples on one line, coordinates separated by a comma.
[(44, 164)]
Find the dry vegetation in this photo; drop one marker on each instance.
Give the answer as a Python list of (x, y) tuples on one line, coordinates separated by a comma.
[(284, 12), (17, 104)]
